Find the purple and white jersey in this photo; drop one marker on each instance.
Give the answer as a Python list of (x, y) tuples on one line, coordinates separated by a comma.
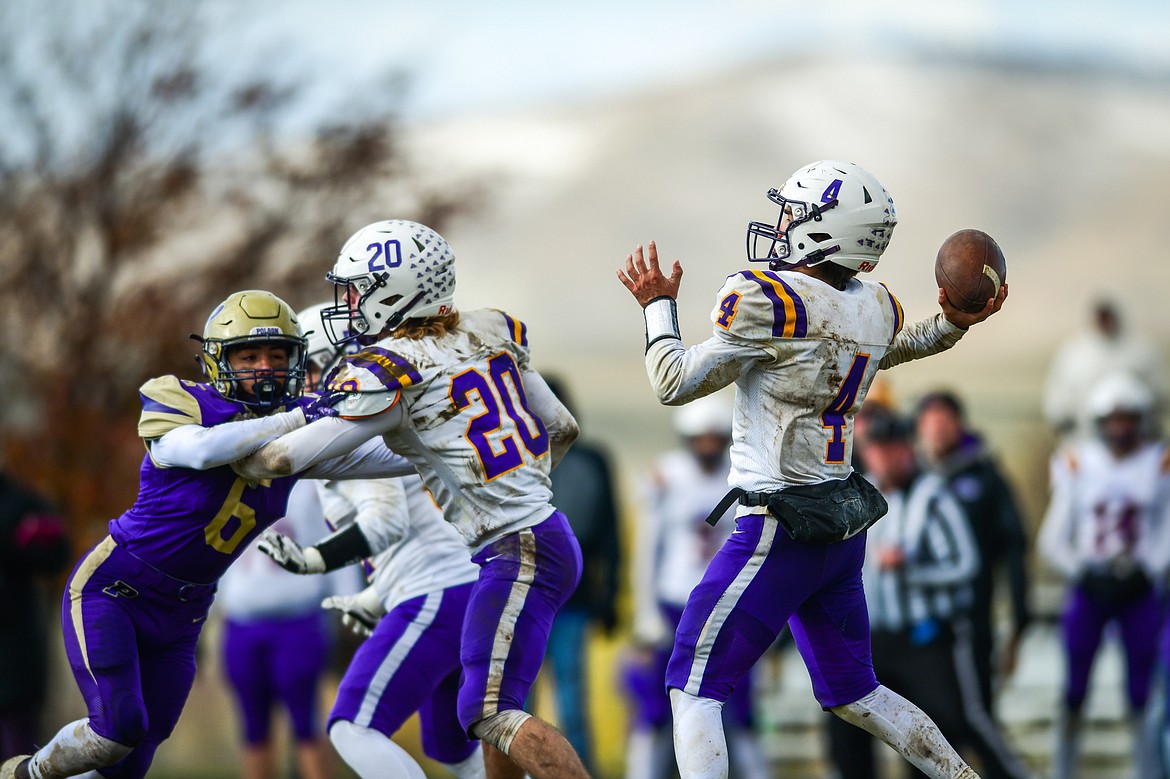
[(416, 551), (1105, 510), (802, 355), (191, 524), (483, 453)]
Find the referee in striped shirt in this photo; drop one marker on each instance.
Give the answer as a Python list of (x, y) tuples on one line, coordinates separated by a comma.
[(921, 560)]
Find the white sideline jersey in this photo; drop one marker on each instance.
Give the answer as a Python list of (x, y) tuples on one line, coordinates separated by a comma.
[(1104, 510), (679, 496), (468, 427), (416, 551), (802, 355)]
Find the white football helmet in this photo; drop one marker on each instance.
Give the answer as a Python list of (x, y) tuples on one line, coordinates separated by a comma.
[(708, 414), (319, 350), (386, 273), (1120, 392), (839, 213)]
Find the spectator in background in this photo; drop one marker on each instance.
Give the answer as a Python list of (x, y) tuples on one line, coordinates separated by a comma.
[(959, 455), (1079, 362), (1107, 530), (33, 545), (921, 560), (583, 488), (675, 545), (276, 646)]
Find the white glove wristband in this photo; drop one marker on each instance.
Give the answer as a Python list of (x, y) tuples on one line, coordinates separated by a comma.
[(661, 320)]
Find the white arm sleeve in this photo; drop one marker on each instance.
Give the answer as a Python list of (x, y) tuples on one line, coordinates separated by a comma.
[(680, 375), (201, 448), (922, 339), (562, 428), (1056, 544), (371, 460), (323, 440), (381, 510)]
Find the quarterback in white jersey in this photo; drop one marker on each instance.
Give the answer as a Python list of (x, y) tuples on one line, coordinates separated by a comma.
[(453, 392), (802, 342), (1107, 530)]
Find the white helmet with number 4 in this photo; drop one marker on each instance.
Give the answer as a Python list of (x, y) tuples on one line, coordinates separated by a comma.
[(386, 273), (836, 212)]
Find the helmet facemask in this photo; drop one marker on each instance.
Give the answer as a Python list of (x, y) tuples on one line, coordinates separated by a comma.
[(773, 243)]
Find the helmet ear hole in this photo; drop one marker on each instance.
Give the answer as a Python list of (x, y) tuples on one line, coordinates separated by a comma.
[(820, 237)]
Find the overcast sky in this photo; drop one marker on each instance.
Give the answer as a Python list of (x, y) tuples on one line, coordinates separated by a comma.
[(466, 56)]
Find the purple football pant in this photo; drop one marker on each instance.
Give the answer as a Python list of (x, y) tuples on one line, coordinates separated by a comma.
[(274, 660), (130, 635), (756, 582), (523, 579), (409, 664), (1138, 623), (646, 685)]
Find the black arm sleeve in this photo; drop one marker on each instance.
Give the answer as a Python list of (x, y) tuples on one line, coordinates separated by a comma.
[(343, 547)]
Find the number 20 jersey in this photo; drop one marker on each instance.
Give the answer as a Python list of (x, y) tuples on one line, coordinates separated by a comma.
[(809, 354), (468, 429)]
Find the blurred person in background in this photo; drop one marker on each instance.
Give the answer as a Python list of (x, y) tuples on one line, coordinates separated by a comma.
[(921, 561), (584, 489), (276, 646), (1107, 531), (1106, 347), (960, 456), (33, 547), (674, 546), (137, 601)]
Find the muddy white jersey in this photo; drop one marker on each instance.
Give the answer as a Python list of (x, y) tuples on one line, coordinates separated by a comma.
[(1105, 510), (802, 355), (416, 551), (467, 426)]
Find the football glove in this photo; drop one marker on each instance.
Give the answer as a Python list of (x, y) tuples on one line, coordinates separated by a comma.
[(322, 405), (289, 555), (360, 613)]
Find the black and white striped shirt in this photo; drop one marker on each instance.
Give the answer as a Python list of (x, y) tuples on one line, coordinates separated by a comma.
[(941, 558)]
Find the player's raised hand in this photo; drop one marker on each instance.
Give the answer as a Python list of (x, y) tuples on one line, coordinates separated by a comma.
[(643, 277), (962, 319)]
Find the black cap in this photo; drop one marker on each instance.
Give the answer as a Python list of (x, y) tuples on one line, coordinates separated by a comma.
[(887, 426)]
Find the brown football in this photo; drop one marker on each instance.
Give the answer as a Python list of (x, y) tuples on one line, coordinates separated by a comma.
[(970, 269)]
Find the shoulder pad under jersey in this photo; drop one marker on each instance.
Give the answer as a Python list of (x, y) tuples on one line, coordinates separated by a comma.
[(169, 402), (759, 305), (899, 315), (374, 369)]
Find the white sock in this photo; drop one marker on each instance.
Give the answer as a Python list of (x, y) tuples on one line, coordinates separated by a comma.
[(699, 744), (906, 728), (75, 750), (371, 754), (469, 768)]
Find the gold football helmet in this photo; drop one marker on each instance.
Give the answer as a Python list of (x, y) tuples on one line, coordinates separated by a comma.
[(246, 318)]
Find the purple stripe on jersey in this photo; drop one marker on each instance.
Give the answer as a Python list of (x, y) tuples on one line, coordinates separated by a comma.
[(899, 317), (391, 369), (150, 405), (517, 329), (782, 296)]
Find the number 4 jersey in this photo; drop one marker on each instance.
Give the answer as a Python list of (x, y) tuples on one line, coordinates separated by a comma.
[(467, 423), (802, 355)]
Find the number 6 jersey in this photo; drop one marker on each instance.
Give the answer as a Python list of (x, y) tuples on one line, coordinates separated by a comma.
[(467, 423), (802, 355)]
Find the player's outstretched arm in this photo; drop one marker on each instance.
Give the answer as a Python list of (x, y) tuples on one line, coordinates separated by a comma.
[(322, 440), (939, 332), (202, 448)]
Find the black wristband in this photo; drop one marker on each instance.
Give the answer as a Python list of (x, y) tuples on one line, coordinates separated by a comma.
[(343, 547)]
